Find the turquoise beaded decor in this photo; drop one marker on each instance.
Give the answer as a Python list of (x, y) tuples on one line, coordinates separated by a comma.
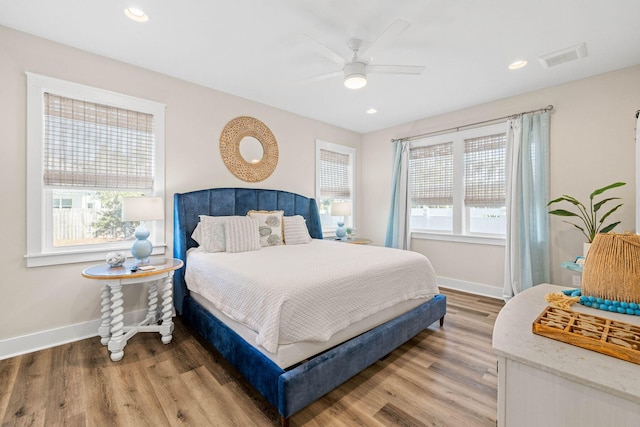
[(621, 307), (611, 275)]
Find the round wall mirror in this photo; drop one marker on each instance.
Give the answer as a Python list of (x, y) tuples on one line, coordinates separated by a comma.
[(249, 149)]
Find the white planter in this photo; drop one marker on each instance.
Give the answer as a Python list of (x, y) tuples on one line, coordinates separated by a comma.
[(585, 248)]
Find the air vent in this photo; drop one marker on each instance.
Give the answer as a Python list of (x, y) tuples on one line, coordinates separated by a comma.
[(565, 55)]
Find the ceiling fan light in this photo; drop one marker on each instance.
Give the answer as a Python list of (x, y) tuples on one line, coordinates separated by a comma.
[(355, 81)]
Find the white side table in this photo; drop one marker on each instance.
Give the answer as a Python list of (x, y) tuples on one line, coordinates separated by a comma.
[(159, 317)]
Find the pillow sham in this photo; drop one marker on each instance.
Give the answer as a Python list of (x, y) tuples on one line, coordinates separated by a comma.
[(241, 235), (212, 233), (270, 228), (295, 230)]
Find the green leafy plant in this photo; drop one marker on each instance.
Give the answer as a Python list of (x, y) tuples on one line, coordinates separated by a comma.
[(589, 217)]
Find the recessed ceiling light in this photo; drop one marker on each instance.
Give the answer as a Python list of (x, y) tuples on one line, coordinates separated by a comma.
[(372, 111), (136, 14), (517, 64)]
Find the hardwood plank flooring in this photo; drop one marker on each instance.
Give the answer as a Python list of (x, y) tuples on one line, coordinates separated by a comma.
[(442, 377)]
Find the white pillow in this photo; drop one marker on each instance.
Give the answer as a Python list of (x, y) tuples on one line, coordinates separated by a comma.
[(270, 229), (295, 230), (242, 235), (211, 234)]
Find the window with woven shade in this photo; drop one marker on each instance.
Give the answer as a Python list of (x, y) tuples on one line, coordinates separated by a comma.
[(91, 145), (86, 150), (484, 171), (431, 177), (457, 182), (335, 175), (335, 171)]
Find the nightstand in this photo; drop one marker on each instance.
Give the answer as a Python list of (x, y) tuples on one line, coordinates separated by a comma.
[(114, 334)]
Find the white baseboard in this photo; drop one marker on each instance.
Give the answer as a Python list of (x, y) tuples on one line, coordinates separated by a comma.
[(470, 287), (53, 337)]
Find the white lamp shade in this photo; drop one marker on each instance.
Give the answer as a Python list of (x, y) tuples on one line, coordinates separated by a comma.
[(340, 208), (142, 209)]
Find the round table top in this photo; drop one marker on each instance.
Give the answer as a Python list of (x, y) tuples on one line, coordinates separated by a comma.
[(106, 272)]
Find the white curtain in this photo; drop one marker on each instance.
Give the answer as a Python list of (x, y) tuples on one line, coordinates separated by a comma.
[(527, 172), (398, 222)]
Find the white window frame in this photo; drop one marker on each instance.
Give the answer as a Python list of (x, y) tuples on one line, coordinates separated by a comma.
[(39, 199), (351, 152), (460, 225)]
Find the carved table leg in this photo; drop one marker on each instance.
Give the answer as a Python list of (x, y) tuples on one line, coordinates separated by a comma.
[(105, 325), (116, 344), (167, 310), (153, 302)]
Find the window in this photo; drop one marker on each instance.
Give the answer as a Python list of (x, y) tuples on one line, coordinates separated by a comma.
[(335, 170), (457, 182), (87, 149)]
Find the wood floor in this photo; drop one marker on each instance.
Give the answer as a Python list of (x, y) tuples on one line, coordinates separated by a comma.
[(442, 377)]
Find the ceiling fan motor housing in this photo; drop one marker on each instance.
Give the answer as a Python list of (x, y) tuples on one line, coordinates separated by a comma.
[(355, 75)]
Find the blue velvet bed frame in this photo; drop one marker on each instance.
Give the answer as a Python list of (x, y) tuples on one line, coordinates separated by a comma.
[(288, 390)]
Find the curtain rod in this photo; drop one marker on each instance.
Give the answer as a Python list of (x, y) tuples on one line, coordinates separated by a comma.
[(457, 128)]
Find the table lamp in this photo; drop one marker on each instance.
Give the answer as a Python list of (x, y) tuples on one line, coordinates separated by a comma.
[(340, 209), (142, 209)]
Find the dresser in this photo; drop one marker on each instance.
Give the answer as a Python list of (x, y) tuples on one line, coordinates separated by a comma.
[(544, 382)]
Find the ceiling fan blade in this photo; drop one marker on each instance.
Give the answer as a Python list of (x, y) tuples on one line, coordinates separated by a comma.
[(395, 69), (393, 31), (322, 77), (325, 51)]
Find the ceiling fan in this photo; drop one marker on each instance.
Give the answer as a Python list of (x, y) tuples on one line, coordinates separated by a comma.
[(355, 70)]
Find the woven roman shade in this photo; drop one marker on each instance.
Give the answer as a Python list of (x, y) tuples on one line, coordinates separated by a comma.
[(484, 171), (90, 145), (334, 175), (431, 175)]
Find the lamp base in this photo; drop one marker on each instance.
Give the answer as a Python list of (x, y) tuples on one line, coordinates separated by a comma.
[(341, 232), (142, 247)]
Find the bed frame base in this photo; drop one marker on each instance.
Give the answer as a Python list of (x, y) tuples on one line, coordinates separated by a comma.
[(292, 389)]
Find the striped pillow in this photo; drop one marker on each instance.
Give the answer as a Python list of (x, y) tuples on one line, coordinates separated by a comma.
[(242, 235), (295, 230)]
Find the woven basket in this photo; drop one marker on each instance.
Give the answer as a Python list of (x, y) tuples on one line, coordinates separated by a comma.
[(612, 268)]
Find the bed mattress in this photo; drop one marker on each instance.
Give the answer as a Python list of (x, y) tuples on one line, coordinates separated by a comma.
[(316, 295)]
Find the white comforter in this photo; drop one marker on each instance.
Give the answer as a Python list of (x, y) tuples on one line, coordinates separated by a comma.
[(308, 292)]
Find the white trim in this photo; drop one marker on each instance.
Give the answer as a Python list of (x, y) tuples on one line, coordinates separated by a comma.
[(39, 252), (470, 287), (462, 238), (17, 346)]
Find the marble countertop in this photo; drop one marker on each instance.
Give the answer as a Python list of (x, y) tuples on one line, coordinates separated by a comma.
[(514, 339)]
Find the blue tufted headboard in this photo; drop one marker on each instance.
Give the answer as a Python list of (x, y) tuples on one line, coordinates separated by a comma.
[(230, 201)]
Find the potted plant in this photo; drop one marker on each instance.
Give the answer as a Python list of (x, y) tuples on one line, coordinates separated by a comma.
[(591, 224)]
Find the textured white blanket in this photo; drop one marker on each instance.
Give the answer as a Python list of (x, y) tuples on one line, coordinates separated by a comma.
[(308, 292)]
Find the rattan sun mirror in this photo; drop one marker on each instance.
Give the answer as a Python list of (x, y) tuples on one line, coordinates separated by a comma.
[(238, 131)]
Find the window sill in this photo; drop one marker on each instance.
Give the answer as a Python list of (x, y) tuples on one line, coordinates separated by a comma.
[(473, 239), (77, 256)]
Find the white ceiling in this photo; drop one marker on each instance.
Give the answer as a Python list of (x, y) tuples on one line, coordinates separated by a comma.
[(257, 49)]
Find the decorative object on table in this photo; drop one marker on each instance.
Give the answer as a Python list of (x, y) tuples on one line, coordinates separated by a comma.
[(606, 336), (611, 274), (116, 259), (341, 209), (142, 209), (349, 232), (243, 131), (591, 225)]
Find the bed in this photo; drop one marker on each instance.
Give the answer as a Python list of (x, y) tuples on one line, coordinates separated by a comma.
[(297, 380)]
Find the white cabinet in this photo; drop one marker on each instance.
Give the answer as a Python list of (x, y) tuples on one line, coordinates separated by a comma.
[(543, 382)]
